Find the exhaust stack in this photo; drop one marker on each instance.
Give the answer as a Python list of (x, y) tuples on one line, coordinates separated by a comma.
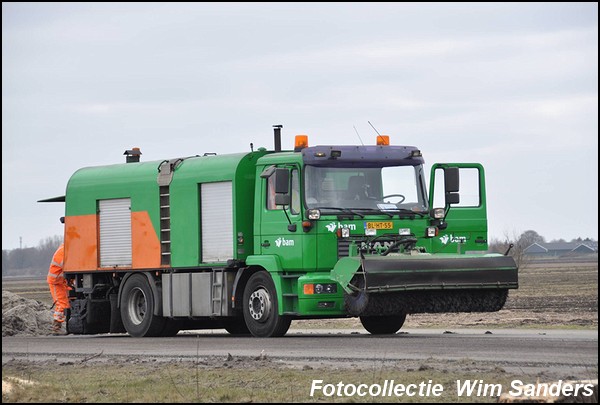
[(277, 130)]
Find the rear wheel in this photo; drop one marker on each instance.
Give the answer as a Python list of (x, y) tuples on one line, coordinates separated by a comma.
[(137, 308), (382, 325), (261, 311)]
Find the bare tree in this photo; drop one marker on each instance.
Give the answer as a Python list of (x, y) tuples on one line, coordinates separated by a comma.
[(30, 261), (519, 243)]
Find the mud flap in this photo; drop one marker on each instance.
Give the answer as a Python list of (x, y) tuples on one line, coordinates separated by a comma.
[(89, 316), (116, 323)]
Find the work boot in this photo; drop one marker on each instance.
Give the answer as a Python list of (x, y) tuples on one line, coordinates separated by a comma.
[(57, 328)]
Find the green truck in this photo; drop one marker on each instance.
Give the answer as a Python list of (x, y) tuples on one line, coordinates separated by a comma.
[(251, 241)]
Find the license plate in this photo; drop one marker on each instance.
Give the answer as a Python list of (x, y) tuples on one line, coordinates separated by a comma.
[(380, 225)]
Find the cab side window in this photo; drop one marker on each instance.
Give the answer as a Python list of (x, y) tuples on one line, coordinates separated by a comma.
[(295, 189)]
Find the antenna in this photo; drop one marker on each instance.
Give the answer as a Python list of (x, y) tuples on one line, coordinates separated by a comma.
[(378, 134), (359, 138)]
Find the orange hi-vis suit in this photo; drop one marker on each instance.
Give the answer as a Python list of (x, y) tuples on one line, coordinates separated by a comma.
[(58, 284)]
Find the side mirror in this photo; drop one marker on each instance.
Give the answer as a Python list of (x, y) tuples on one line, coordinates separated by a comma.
[(282, 181), (451, 180), (282, 186), (452, 198), (451, 185)]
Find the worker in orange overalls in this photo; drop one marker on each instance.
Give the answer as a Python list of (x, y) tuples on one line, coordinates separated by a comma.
[(58, 288)]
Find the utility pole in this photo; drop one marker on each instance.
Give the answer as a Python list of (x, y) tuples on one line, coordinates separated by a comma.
[(20, 242)]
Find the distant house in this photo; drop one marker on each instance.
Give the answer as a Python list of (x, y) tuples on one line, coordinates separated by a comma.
[(561, 248)]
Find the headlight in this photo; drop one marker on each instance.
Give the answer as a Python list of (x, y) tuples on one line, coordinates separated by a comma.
[(404, 231), (438, 213), (314, 213), (328, 288)]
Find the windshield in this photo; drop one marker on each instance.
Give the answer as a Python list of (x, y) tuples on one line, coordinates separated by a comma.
[(381, 188)]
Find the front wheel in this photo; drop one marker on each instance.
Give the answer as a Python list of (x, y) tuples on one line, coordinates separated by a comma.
[(383, 325), (261, 311), (137, 308)]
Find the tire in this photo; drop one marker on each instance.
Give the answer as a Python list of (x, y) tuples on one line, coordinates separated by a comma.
[(382, 325), (237, 327), (137, 308), (261, 310)]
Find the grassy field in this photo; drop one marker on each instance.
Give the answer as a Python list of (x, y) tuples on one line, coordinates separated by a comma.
[(236, 382)]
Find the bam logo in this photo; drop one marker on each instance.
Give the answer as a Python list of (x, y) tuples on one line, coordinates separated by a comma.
[(453, 239), (279, 242), (331, 227)]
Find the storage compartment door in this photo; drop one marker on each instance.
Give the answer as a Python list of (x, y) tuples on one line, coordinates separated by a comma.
[(216, 221), (115, 232)]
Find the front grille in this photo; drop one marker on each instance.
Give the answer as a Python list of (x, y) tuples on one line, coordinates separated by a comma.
[(343, 247)]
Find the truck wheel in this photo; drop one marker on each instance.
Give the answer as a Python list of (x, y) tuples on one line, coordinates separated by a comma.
[(382, 325), (137, 308), (261, 311)]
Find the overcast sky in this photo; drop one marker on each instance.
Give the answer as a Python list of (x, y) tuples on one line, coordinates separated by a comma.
[(513, 86)]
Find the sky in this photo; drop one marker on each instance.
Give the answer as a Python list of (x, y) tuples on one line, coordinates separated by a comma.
[(513, 86)]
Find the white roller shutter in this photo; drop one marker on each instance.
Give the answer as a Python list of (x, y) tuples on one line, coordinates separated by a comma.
[(217, 221), (115, 232)]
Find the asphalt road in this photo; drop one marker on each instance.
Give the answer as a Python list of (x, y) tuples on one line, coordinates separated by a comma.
[(520, 349)]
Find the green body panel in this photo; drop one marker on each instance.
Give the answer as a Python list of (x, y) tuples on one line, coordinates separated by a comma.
[(136, 181), (270, 263), (273, 236), (185, 203), (309, 304)]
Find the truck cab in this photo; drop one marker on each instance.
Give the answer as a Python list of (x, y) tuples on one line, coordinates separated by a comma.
[(322, 213)]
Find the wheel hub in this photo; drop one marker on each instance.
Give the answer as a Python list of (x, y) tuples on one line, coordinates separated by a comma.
[(260, 305), (137, 306)]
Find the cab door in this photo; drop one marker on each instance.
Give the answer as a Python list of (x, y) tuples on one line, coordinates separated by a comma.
[(281, 224), (460, 189)]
